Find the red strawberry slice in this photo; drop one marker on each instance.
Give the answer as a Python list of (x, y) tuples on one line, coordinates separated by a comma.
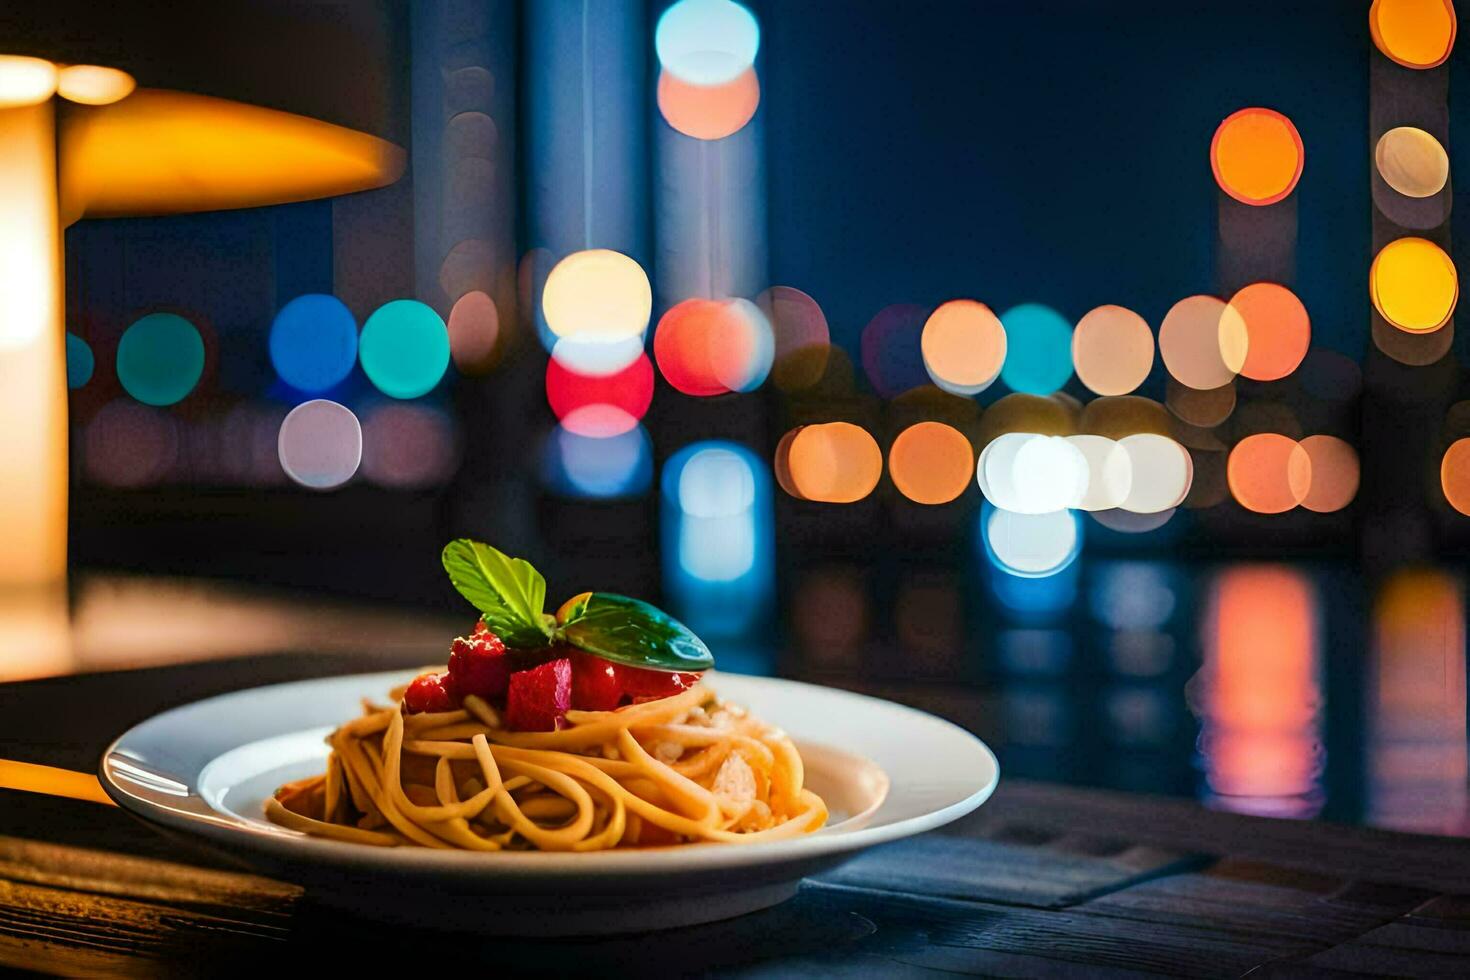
[(430, 692), (479, 665), (595, 683), (538, 699), (642, 684)]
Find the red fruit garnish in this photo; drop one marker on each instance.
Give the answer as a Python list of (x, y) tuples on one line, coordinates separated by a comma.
[(538, 699), (642, 684), (430, 692), (595, 683), (480, 626), (479, 665)]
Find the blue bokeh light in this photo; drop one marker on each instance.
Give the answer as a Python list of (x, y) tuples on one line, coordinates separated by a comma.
[(1038, 349), (588, 468), (79, 361), (707, 42), (1030, 545), (313, 342)]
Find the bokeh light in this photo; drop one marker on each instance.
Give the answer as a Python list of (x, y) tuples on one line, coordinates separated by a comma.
[(1162, 470), (94, 84), (1030, 473), (964, 346), (1257, 156), (1201, 346), (1200, 408), (583, 467), (474, 329), (1031, 545), (707, 347), (79, 361), (834, 462), (313, 342), (129, 445), (1335, 473), (160, 359), (404, 348), (25, 81), (408, 446), (803, 340), (1412, 162), (713, 486), (1038, 357), (1129, 522), (1109, 472), (708, 112), (1112, 350), (1414, 33), (931, 463), (1454, 475), (892, 349), (597, 294), (1277, 328), (320, 444), (706, 42), (600, 406), (1414, 285), (1269, 473)]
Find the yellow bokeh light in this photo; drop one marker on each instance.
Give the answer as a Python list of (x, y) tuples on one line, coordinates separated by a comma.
[(25, 81), (1412, 162), (964, 346), (1257, 156), (835, 462), (931, 463), (1414, 33), (1414, 285), (94, 84), (597, 294)]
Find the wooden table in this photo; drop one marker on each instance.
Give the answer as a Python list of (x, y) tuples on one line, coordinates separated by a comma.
[(1041, 881)]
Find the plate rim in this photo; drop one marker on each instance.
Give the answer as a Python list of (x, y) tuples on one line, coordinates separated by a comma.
[(293, 848)]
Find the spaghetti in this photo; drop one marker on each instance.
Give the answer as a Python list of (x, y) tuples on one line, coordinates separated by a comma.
[(680, 769)]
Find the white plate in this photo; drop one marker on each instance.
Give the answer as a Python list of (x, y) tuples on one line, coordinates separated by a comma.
[(207, 769)]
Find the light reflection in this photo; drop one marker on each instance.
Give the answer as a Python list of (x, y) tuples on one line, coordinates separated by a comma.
[(583, 467), (1030, 545), (1258, 694), (1419, 780), (408, 446)]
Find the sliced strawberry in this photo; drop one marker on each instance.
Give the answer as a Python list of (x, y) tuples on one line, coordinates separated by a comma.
[(595, 683), (642, 684), (538, 699), (479, 665), (430, 692)]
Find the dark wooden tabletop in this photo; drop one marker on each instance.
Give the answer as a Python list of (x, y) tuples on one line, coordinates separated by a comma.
[(1041, 881)]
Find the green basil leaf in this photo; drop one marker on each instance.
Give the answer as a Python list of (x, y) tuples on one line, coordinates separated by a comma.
[(508, 592), (632, 632)]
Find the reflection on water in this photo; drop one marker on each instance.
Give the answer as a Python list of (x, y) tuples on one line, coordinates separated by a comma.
[(1284, 690), (1258, 693)]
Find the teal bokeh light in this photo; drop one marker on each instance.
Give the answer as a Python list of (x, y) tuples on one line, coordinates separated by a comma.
[(404, 348), (313, 342), (707, 42), (1038, 349), (160, 359), (79, 361)]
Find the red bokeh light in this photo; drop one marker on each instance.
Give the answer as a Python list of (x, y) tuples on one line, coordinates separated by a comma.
[(600, 406)]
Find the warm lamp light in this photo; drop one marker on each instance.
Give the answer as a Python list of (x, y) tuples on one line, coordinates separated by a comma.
[(597, 294), (25, 81), (1414, 33), (964, 346), (94, 84), (1414, 285), (1257, 156)]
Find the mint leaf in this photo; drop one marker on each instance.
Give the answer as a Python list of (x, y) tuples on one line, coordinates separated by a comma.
[(629, 631), (508, 592)]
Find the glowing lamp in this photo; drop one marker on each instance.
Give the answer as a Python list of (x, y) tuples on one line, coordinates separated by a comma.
[(706, 42), (1414, 285), (597, 294), (1257, 156), (1412, 162), (25, 81), (1414, 33), (94, 84)]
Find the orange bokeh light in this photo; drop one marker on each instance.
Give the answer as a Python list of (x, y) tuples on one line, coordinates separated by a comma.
[(1335, 474), (707, 347), (1269, 473), (1202, 346), (1414, 33), (834, 462), (931, 463), (1257, 156), (1277, 328), (709, 112), (964, 346), (1454, 476), (1112, 350)]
